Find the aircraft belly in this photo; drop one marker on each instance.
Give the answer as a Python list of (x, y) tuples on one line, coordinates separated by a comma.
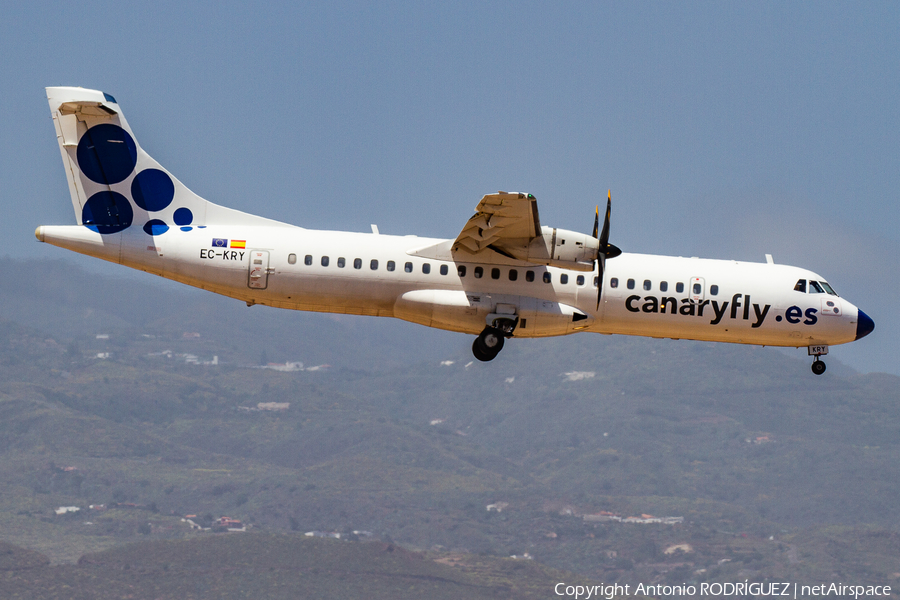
[(453, 310), (467, 312)]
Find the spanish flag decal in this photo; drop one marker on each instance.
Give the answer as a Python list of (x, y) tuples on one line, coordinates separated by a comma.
[(238, 243)]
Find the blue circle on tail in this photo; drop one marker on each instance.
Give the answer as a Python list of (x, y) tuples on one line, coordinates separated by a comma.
[(155, 227), (183, 216), (152, 190), (107, 212), (106, 154)]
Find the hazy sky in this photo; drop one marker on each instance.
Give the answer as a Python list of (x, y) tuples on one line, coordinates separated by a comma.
[(725, 130)]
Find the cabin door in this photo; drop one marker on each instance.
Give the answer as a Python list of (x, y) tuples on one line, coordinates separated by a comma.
[(698, 289), (259, 270)]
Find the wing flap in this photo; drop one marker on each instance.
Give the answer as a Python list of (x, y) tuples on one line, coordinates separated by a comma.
[(501, 221)]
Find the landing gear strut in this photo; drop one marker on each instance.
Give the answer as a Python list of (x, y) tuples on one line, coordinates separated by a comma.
[(489, 342)]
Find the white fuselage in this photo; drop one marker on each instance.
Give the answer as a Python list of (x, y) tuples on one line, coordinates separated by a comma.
[(382, 275)]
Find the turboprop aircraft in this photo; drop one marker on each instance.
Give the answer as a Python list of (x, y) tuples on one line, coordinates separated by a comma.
[(505, 276)]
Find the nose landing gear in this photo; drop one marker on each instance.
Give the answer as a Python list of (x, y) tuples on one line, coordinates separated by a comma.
[(818, 367)]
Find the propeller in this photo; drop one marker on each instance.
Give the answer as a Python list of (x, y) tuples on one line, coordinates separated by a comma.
[(605, 250)]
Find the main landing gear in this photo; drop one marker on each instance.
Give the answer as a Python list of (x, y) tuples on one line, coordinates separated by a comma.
[(489, 342)]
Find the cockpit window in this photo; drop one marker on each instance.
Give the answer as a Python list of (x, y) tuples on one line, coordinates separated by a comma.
[(828, 288), (815, 288), (801, 286)]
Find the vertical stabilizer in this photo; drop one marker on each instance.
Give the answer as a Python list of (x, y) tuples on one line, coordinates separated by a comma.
[(114, 184)]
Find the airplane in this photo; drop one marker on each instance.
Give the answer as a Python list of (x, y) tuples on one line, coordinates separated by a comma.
[(504, 276)]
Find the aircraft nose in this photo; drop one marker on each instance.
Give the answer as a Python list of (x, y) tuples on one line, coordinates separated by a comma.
[(864, 325)]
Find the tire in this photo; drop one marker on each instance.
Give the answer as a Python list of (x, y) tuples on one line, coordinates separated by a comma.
[(818, 367), (488, 345), (479, 353)]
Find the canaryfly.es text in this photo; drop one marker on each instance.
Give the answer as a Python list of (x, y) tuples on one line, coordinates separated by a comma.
[(739, 307)]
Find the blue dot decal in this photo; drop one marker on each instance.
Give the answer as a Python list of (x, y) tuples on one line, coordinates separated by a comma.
[(183, 216), (155, 227), (107, 212), (106, 154), (186, 228), (152, 190)]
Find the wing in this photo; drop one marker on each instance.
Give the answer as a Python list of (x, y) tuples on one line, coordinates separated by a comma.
[(503, 222)]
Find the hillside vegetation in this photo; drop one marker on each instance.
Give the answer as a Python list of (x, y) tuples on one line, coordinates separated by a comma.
[(406, 441)]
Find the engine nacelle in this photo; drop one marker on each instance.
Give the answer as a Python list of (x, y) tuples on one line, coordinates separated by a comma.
[(564, 248)]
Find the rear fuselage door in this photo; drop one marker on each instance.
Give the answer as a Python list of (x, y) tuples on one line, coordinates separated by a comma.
[(259, 270)]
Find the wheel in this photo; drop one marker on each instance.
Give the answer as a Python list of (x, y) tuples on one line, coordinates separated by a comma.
[(479, 353), (818, 367), (492, 340), (487, 345)]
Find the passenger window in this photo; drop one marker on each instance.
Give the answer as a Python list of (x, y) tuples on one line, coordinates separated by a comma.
[(292, 259), (630, 284), (513, 274), (426, 268), (564, 278), (647, 285), (801, 286), (664, 286), (547, 277), (529, 276), (391, 265), (495, 273), (461, 270), (614, 282), (579, 280), (698, 289), (444, 270), (596, 281), (679, 287), (341, 262), (815, 288), (324, 261), (373, 264), (408, 267), (478, 272), (713, 290), (307, 260), (357, 263)]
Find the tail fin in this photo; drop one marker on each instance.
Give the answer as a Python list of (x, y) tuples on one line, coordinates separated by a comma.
[(115, 184)]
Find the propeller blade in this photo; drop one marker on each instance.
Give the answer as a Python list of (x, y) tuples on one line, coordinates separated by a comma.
[(605, 250), (596, 222), (601, 261), (604, 236)]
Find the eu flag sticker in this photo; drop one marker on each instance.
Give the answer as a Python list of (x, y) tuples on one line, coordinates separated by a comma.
[(219, 243)]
